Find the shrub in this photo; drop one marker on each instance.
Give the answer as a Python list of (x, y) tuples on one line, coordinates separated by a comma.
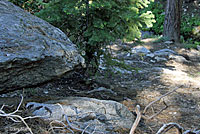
[(93, 24), (158, 10), (31, 6), (187, 26)]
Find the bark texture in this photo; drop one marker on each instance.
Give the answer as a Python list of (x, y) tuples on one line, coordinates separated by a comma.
[(172, 20)]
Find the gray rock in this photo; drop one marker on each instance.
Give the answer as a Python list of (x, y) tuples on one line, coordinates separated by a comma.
[(164, 52), (81, 111), (140, 50), (160, 59), (198, 47), (151, 55), (168, 42), (31, 50), (152, 61), (178, 58), (146, 34)]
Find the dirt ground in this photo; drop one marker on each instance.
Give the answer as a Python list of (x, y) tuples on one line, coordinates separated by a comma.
[(136, 88)]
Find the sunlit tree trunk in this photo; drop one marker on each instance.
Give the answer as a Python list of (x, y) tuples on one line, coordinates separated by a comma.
[(172, 20)]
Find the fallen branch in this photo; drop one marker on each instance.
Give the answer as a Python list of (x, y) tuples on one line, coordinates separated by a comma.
[(157, 113), (166, 127), (159, 98), (139, 115), (135, 124)]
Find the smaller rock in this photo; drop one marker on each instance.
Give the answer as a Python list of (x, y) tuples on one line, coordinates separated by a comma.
[(146, 34), (157, 69), (178, 58), (128, 55), (139, 50), (152, 61), (121, 70), (97, 115), (168, 42), (151, 55), (164, 52), (198, 47), (160, 59)]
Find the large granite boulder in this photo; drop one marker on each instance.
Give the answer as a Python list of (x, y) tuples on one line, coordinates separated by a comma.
[(31, 50)]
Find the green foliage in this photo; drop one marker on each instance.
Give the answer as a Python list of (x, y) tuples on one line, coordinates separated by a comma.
[(93, 24), (117, 67), (188, 22), (31, 6), (190, 31), (110, 62), (191, 44), (187, 25), (158, 10)]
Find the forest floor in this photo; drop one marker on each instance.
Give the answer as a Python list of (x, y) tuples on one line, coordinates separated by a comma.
[(132, 88), (129, 88)]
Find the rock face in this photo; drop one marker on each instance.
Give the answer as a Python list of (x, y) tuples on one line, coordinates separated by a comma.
[(97, 115), (31, 50)]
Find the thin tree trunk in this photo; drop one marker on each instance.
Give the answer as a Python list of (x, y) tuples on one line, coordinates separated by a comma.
[(172, 22)]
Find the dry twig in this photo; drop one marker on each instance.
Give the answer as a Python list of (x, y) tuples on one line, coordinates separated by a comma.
[(135, 124), (159, 98), (166, 127), (139, 115), (157, 113), (13, 116)]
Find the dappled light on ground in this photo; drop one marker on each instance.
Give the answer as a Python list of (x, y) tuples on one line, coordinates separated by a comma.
[(179, 75)]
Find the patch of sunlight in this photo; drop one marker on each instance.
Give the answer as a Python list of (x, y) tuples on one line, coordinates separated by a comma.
[(178, 77), (149, 40)]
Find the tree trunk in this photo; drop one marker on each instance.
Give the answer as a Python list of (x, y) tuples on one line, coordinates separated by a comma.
[(172, 20)]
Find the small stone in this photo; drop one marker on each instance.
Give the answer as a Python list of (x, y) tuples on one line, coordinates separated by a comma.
[(153, 61), (164, 52), (151, 55), (139, 50), (128, 55), (177, 58), (46, 92), (160, 59), (198, 47), (169, 42)]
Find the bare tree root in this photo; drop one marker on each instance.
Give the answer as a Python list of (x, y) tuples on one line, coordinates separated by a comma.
[(166, 127), (17, 118)]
